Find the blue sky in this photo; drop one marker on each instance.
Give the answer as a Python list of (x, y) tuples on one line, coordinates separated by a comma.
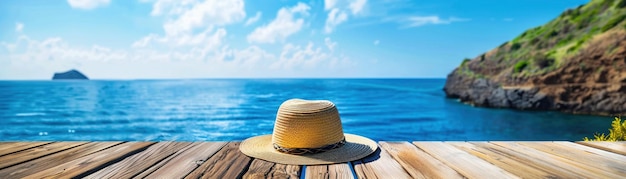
[(164, 39)]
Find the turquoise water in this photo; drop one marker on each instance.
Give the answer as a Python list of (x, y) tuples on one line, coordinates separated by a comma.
[(235, 109)]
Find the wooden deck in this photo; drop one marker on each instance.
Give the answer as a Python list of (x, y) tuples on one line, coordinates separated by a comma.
[(394, 160)]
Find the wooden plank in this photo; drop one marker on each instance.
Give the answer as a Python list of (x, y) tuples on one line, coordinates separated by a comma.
[(415, 162), (10, 147), (259, 169), (331, 171), (264, 169), (187, 161), (466, 164), (379, 165), (229, 162), (615, 147), (136, 164), (603, 161), (511, 162), (37, 165), (89, 163), (316, 172), (160, 164), (340, 170), (35, 152), (285, 171), (555, 163)]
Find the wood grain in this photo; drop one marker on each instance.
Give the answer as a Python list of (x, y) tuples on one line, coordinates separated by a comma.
[(11, 147), (136, 164), (259, 169), (285, 171), (160, 164), (37, 165), (187, 161), (546, 160), (615, 147), (415, 162), (510, 161), (603, 162), (264, 169), (229, 162), (379, 165), (340, 170), (83, 165), (466, 164), (392, 160), (35, 152)]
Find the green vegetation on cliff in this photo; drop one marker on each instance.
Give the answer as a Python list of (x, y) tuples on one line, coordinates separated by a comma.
[(545, 48)]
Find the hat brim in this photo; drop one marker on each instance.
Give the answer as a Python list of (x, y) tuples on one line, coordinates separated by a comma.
[(356, 147)]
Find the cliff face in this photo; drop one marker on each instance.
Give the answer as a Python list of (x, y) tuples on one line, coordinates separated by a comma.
[(69, 75), (575, 63)]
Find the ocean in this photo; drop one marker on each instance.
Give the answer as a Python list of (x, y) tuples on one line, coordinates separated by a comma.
[(235, 109)]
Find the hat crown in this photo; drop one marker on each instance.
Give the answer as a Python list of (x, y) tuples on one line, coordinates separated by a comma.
[(307, 124)]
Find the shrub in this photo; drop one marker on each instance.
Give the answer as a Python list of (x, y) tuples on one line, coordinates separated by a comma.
[(519, 66), (515, 46), (613, 22), (465, 61), (544, 62), (621, 4), (616, 133)]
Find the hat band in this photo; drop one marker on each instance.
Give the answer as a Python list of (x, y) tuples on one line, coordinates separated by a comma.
[(302, 151)]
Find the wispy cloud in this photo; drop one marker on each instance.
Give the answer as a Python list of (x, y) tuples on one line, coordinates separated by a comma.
[(282, 27), (19, 27), (416, 21), (254, 19), (330, 44), (376, 42), (335, 17), (338, 12), (88, 4)]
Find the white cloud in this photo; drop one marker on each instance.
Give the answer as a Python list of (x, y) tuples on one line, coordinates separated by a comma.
[(335, 17), (193, 23), (376, 42), (329, 4), (338, 12), (19, 27), (416, 21), (194, 45), (207, 38), (254, 19), (189, 15), (88, 4), (356, 6), (330, 44), (295, 58), (282, 27)]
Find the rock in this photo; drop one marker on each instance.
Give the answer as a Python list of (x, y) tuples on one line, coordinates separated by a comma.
[(559, 66), (69, 75)]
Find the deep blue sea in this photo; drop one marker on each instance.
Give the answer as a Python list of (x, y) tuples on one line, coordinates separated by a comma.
[(235, 109)]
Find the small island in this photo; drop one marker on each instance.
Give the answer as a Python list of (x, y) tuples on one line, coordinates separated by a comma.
[(70, 75)]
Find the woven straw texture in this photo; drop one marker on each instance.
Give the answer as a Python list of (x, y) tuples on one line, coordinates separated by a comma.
[(308, 124), (356, 147)]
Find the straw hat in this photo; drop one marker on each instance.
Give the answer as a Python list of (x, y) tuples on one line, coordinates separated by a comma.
[(308, 132)]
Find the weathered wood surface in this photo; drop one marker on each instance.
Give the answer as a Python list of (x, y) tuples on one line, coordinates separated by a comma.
[(392, 160)]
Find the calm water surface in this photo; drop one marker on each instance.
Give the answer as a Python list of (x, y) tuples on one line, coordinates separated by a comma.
[(220, 110)]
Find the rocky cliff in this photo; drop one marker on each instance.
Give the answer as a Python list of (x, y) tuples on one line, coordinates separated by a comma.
[(69, 75), (575, 63)]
